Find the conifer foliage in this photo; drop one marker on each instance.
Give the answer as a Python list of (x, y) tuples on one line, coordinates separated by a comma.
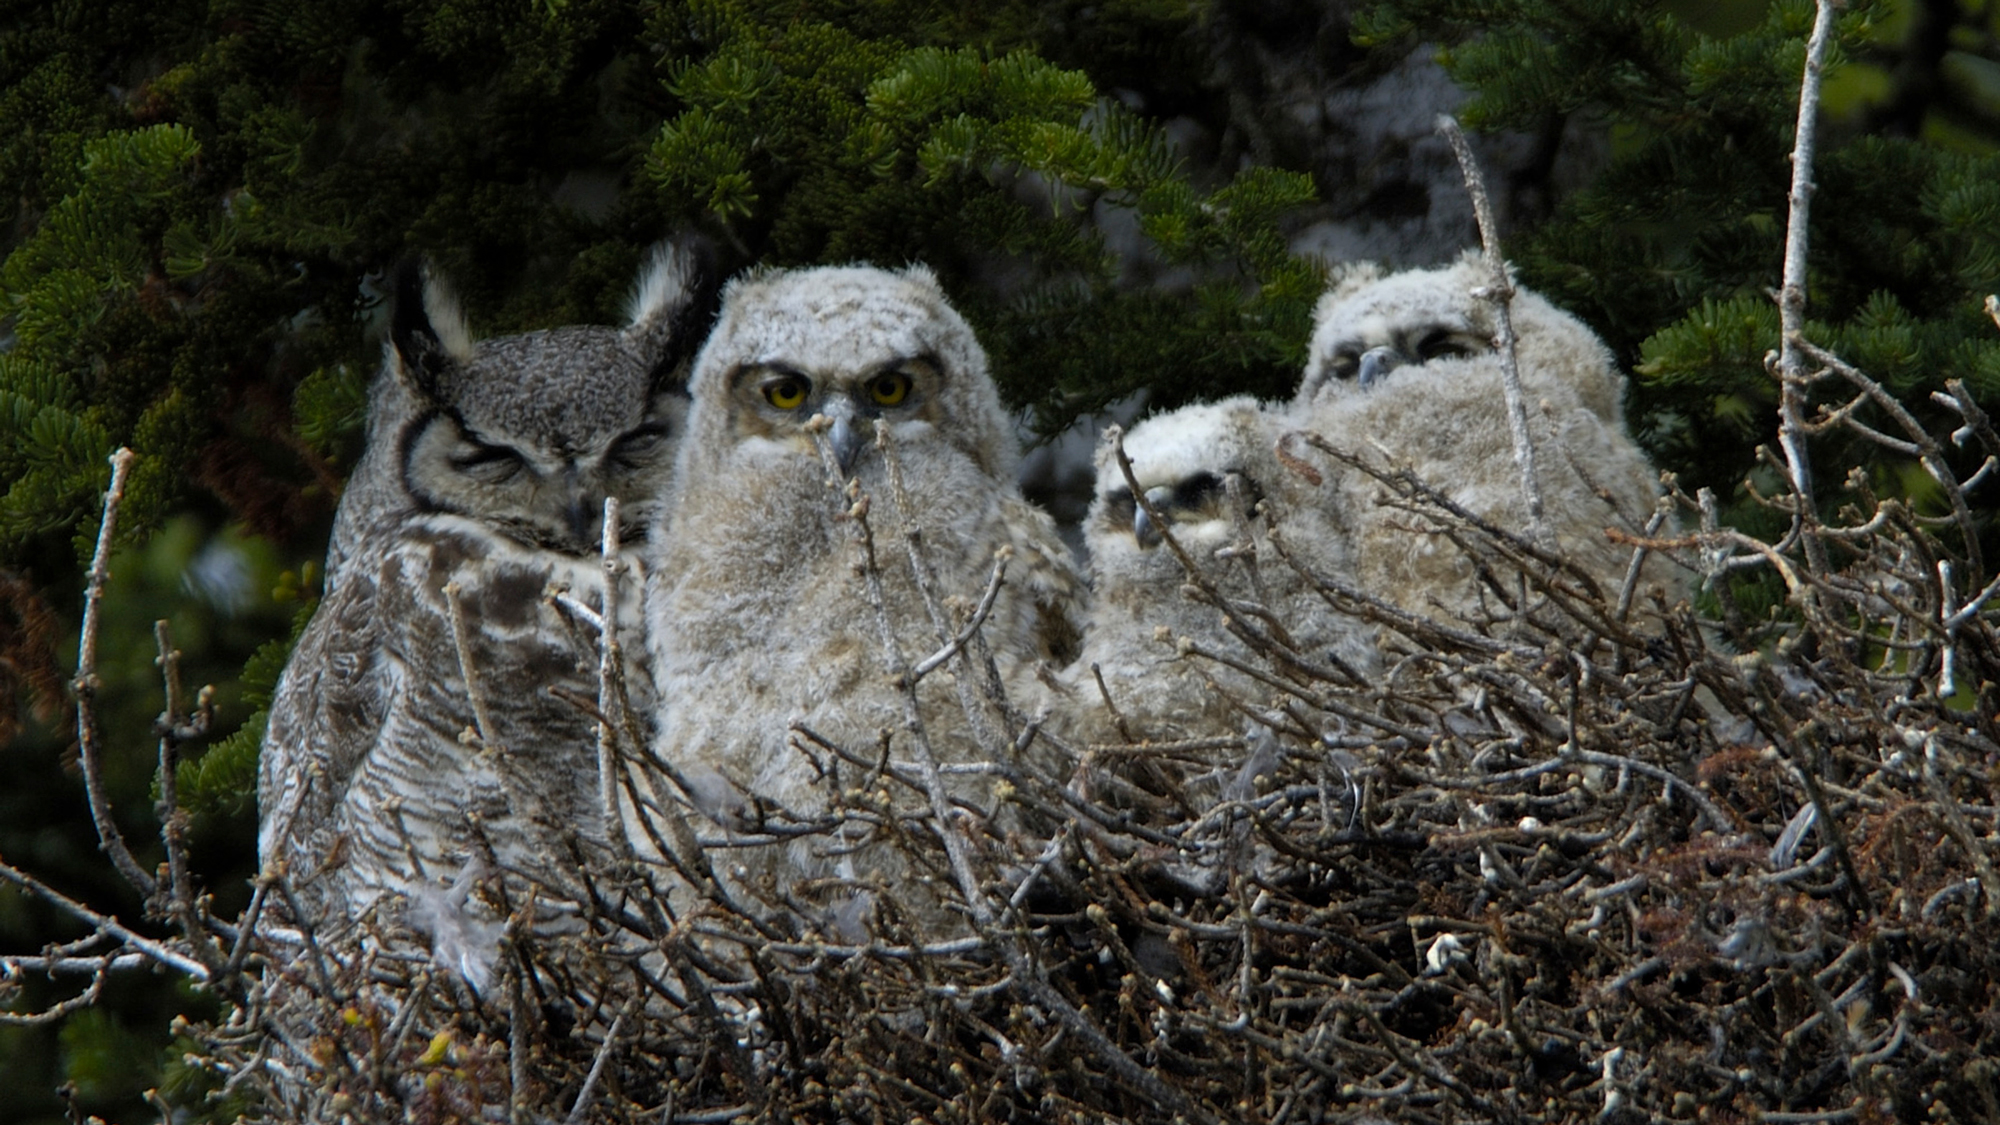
[(1673, 250), (203, 232)]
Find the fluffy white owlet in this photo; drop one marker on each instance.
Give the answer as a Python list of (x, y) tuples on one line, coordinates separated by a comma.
[(504, 453), (1403, 370), (1212, 473), (759, 614)]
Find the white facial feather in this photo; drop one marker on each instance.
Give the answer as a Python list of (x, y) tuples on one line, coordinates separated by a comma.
[(1215, 437)]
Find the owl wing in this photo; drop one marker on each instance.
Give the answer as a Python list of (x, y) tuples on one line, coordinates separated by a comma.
[(1045, 569), (325, 717)]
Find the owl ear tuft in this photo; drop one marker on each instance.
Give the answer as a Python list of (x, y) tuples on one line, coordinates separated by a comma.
[(673, 305), (427, 328)]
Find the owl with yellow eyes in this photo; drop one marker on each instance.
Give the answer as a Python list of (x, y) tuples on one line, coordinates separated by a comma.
[(761, 612)]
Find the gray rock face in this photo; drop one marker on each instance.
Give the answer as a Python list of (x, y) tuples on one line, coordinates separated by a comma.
[(1302, 94)]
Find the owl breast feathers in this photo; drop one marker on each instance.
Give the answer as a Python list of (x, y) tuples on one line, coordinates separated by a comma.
[(760, 612), (489, 468)]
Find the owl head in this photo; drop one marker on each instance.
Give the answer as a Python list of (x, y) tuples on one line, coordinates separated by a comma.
[(1185, 463), (530, 434), (1371, 324), (852, 345), (1368, 324)]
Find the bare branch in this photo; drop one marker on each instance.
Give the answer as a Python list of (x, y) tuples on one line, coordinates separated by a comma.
[(89, 739), (1499, 293), (462, 645), (1790, 367), (1921, 444), (159, 952)]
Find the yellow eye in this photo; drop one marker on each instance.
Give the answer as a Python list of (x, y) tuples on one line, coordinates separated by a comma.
[(890, 389), (786, 393)]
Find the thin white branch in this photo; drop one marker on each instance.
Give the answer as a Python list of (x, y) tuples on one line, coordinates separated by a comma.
[(575, 606), (105, 924), (463, 645), (1792, 378), (1499, 292), (936, 660), (1965, 612), (89, 742), (577, 1111), (74, 966), (608, 658), (1947, 610)]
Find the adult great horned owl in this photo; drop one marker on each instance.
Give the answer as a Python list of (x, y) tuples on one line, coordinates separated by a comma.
[(1403, 370), (1212, 473), (659, 308), (760, 612), (503, 453)]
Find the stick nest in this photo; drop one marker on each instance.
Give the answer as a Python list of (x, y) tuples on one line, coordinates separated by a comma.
[(1567, 862)]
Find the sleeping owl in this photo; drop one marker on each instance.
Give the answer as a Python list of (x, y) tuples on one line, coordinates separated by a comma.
[(759, 610), (386, 769), (1211, 474), (1403, 370)]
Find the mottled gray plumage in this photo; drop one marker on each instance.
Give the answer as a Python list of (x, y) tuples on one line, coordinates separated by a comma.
[(504, 453), (758, 611)]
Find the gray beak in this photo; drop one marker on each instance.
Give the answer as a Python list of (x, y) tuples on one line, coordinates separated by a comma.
[(1376, 363), (580, 515), (846, 433), (1143, 528)]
